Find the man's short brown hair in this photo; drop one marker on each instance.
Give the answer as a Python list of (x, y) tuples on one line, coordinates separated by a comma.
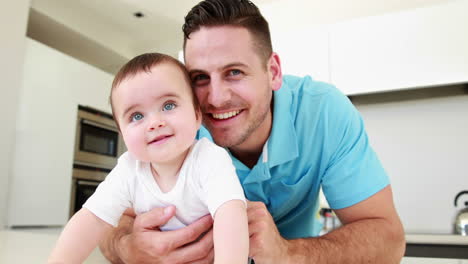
[(238, 13)]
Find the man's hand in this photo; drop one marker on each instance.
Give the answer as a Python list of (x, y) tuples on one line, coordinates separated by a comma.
[(371, 233), (147, 244), (266, 243)]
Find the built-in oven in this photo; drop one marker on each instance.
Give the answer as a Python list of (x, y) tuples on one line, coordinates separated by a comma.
[(97, 141), (84, 183), (98, 146)]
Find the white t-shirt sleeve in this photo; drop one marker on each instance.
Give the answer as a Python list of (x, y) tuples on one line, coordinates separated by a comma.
[(218, 179), (113, 196)]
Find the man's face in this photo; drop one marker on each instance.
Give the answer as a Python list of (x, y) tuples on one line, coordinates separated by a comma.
[(233, 85)]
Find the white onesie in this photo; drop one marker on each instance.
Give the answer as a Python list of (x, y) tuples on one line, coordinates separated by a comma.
[(206, 180)]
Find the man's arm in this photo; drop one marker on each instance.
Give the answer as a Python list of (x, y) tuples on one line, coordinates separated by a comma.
[(371, 233), (109, 245), (139, 240)]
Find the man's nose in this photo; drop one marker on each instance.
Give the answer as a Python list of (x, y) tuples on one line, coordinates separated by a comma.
[(218, 93), (156, 121)]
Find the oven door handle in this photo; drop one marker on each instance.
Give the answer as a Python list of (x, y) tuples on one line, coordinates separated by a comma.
[(103, 126), (88, 183)]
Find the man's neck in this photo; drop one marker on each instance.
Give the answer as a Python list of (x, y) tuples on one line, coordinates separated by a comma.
[(249, 159)]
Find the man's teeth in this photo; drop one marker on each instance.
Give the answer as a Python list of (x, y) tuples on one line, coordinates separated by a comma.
[(225, 115)]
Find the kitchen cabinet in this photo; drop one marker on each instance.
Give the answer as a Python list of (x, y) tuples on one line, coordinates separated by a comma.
[(410, 260), (436, 248), (303, 52), (414, 48), (53, 86)]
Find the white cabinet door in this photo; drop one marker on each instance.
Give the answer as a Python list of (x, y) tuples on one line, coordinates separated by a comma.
[(41, 176), (420, 47), (303, 52), (53, 86)]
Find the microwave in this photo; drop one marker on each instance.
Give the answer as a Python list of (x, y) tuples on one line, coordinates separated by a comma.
[(98, 142)]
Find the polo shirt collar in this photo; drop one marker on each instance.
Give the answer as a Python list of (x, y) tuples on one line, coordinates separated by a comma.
[(282, 144)]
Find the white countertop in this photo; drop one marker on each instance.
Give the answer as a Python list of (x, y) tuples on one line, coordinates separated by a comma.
[(436, 239)]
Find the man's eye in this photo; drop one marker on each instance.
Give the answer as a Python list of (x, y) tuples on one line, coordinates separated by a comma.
[(169, 106), (200, 79), (136, 117), (234, 72)]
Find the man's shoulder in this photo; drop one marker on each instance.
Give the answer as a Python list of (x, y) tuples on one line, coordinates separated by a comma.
[(305, 92), (313, 107), (307, 84), (203, 133)]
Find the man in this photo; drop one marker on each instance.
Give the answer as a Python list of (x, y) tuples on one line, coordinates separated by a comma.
[(287, 137)]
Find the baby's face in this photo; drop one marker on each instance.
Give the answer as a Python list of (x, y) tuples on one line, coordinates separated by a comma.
[(156, 114)]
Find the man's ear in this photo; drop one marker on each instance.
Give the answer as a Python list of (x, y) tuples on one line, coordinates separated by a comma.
[(274, 68)]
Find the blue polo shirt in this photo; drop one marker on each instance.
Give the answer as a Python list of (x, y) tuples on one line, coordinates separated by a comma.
[(318, 139)]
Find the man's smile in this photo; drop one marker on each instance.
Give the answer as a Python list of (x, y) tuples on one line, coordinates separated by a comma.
[(225, 115)]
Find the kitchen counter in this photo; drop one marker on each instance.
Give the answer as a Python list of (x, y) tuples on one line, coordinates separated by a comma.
[(436, 239), (436, 246)]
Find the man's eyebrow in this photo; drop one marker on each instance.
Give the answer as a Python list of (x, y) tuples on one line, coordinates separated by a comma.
[(234, 64), (195, 71), (230, 65)]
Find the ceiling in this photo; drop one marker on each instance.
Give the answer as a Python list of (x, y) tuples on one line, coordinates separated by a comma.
[(105, 33)]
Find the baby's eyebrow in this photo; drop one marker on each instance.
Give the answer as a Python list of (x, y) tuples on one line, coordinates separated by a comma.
[(168, 94), (128, 109)]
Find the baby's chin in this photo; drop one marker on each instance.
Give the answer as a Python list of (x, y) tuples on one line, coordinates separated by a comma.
[(156, 160)]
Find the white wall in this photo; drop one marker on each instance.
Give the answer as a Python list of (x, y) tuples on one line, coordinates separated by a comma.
[(54, 84), (13, 20), (421, 138)]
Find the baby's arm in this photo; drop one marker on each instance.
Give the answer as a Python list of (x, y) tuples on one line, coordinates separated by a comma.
[(231, 233), (79, 237)]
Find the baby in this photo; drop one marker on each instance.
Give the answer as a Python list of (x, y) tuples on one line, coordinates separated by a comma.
[(158, 116)]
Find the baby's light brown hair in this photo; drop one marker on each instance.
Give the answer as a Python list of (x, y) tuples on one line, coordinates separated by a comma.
[(144, 63)]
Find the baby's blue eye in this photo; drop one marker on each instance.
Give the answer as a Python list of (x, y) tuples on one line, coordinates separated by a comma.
[(169, 106), (136, 117)]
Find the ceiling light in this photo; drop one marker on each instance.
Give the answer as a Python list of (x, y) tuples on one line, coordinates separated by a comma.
[(138, 14)]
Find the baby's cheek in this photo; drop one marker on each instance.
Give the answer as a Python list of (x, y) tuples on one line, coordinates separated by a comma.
[(133, 143)]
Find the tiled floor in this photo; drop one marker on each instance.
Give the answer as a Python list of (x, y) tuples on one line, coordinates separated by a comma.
[(25, 246)]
